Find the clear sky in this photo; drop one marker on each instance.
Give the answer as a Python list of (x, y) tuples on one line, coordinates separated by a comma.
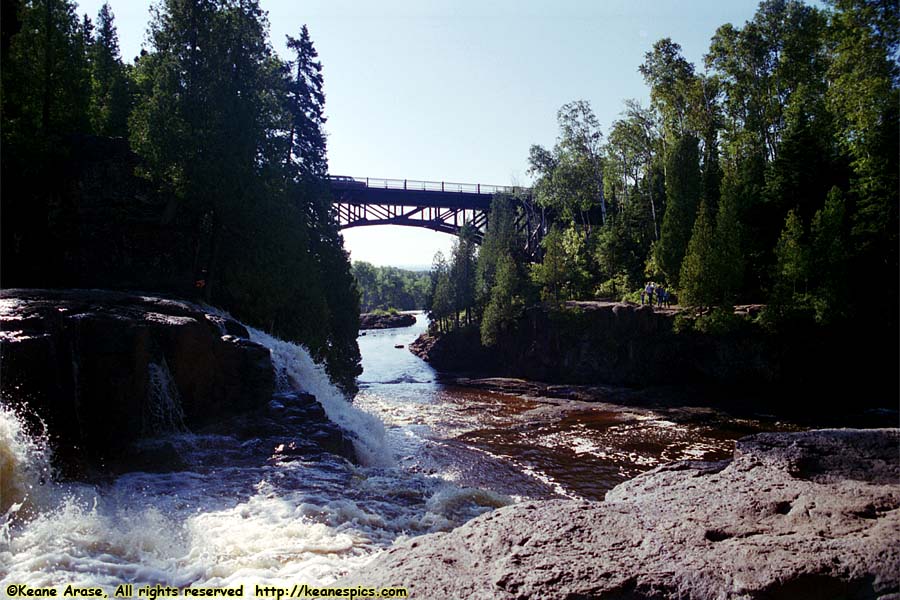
[(458, 90)]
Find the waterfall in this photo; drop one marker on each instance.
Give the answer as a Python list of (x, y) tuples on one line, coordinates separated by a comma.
[(297, 371), (162, 409)]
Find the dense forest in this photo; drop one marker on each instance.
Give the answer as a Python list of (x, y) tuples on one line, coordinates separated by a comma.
[(383, 288), (769, 175), (195, 170)]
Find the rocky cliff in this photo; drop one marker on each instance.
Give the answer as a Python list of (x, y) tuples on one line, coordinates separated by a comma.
[(626, 344), (799, 515), (604, 342), (102, 368)]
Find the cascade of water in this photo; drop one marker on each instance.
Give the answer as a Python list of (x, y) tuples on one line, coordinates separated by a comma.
[(297, 371), (234, 511), (162, 410)]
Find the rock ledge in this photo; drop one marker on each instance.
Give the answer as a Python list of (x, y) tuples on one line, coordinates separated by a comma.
[(385, 321), (103, 368), (793, 515)]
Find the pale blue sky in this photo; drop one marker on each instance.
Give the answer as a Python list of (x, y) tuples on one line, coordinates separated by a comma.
[(458, 91)]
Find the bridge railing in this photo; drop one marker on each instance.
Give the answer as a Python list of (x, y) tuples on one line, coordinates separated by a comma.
[(425, 186)]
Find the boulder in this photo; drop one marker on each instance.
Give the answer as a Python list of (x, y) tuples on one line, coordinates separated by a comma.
[(103, 368), (793, 515)]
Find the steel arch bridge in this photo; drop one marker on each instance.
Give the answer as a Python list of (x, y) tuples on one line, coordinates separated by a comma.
[(437, 205)]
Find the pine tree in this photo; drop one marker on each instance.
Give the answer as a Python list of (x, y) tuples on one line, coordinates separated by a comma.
[(682, 197), (698, 270), (500, 239), (440, 303), (306, 105), (45, 74), (462, 274), (553, 272), (729, 258), (789, 287), (829, 259), (505, 305), (110, 98)]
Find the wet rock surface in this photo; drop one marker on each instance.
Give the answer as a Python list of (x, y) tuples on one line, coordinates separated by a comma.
[(385, 321), (793, 515), (102, 368)]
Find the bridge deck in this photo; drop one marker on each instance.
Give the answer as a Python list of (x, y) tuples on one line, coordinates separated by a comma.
[(342, 183), (437, 205)]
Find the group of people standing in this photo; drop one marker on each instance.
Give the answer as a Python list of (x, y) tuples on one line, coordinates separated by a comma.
[(655, 291)]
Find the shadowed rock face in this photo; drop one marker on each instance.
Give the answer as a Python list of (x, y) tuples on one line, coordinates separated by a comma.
[(606, 342), (103, 368), (374, 321), (793, 515)]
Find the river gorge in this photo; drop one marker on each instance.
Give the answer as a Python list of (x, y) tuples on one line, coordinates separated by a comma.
[(271, 498)]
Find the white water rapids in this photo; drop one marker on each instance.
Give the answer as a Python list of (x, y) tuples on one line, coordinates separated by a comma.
[(233, 515), (234, 510)]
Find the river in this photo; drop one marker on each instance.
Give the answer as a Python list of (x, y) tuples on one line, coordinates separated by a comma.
[(239, 508)]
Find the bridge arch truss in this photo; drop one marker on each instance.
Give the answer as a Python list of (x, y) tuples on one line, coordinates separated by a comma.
[(436, 205)]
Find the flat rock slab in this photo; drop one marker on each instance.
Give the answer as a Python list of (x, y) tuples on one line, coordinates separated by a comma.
[(793, 515)]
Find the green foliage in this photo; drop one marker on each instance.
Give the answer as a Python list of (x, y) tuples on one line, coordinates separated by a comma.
[(682, 199), (505, 305), (110, 102), (500, 240), (719, 321), (728, 256), (796, 102), (462, 273), (570, 178), (619, 253), (453, 284), (683, 323), (864, 99), (698, 271), (712, 268), (306, 107), (389, 287), (553, 274), (617, 287), (440, 307), (231, 149), (789, 294), (670, 78), (46, 83), (829, 260)]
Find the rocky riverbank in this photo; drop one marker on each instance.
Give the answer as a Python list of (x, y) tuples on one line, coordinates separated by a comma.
[(792, 515), (605, 342), (385, 320), (103, 369), (609, 343)]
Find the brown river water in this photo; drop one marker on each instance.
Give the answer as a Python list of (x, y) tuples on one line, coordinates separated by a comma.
[(530, 447)]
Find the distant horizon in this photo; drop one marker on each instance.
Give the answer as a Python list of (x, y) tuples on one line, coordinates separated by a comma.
[(416, 268)]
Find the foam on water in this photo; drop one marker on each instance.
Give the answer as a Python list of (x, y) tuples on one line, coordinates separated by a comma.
[(296, 371), (234, 514), (24, 467)]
